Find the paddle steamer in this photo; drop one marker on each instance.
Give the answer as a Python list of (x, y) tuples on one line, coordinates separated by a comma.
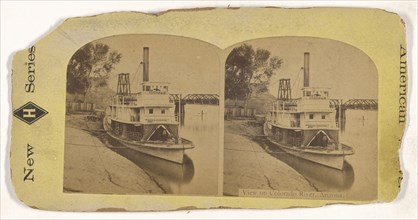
[(146, 121), (306, 126)]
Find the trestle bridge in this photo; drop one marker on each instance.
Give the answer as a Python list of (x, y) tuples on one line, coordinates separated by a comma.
[(199, 99), (354, 104), (363, 104), (195, 99)]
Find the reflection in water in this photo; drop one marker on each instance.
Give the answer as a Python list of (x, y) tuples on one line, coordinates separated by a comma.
[(361, 134), (201, 125), (358, 179), (173, 172), (322, 177), (199, 172), (157, 167)]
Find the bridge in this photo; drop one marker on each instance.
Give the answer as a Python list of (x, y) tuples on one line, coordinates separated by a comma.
[(363, 104), (197, 99), (355, 104)]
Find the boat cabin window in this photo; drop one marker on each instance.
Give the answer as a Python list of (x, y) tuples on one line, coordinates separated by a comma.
[(150, 111), (315, 93), (155, 88), (310, 116)]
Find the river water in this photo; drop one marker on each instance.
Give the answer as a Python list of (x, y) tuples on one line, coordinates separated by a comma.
[(198, 175), (361, 133), (358, 179), (201, 126)]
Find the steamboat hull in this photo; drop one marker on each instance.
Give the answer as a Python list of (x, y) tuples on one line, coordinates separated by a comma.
[(329, 158), (169, 151), (333, 161), (175, 155)]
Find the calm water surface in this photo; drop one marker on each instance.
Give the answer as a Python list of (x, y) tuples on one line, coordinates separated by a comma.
[(361, 134), (198, 175), (201, 126), (358, 179)]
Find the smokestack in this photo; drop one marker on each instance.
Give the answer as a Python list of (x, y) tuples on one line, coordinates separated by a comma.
[(306, 70), (145, 65)]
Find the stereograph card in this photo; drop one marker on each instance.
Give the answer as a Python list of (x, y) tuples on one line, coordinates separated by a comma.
[(211, 108)]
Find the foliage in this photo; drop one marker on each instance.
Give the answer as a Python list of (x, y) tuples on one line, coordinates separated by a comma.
[(248, 71), (89, 68)]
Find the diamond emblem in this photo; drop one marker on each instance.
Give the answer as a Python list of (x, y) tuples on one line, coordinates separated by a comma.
[(30, 113)]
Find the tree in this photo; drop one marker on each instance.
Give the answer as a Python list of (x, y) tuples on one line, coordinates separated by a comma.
[(89, 68), (248, 71)]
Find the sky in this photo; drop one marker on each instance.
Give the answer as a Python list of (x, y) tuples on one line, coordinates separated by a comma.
[(190, 66), (348, 71), (195, 67)]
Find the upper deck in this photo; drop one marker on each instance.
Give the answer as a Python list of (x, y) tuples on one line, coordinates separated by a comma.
[(314, 99), (311, 111), (151, 94), (154, 88), (315, 93)]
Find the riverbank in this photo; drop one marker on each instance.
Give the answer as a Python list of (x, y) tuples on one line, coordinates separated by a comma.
[(248, 166), (91, 167)]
